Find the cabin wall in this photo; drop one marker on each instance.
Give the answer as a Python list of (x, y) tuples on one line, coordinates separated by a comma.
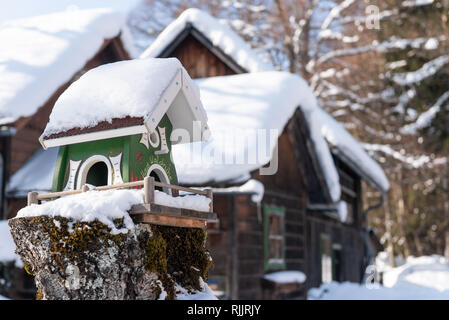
[(346, 236), (221, 245), (198, 60), (5, 144), (345, 239), (238, 244)]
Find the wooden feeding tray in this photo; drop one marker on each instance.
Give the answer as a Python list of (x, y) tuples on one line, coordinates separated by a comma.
[(149, 212)]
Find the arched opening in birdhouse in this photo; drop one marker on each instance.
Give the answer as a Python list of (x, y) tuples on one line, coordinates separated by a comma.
[(95, 171), (97, 174), (158, 173)]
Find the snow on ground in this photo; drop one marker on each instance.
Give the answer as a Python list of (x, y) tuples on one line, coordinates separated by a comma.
[(422, 278), (106, 206), (286, 277), (114, 91), (238, 108), (3, 298), (42, 53), (205, 294), (427, 271), (7, 246), (339, 138), (221, 36)]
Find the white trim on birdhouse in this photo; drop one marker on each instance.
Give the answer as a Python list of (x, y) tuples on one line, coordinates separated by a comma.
[(165, 102), (194, 103), (92, 136)]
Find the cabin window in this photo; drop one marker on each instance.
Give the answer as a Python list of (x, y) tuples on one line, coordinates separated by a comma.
[(349, 187), (326, 258), (337, 262), (96, 171), (274, 241)]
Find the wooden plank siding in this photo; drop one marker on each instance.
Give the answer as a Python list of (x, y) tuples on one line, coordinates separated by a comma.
[(348, 236), (198, 60)]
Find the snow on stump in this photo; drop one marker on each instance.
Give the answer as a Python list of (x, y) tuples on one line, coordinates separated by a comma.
[(86, 246)]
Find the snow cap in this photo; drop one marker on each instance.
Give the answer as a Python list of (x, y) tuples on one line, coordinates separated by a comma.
[(125, 98), (42, 53), (218, 33)]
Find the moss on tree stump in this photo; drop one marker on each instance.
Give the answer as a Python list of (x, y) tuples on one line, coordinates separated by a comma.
[(84, 260)]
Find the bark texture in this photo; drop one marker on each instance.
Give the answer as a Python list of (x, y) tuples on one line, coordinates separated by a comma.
[(83, 260)]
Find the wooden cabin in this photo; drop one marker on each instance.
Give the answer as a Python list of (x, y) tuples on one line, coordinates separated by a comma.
[(297, 225), (96, 37)]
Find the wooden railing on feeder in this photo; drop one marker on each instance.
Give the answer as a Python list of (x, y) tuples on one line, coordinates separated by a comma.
[(149, 211)]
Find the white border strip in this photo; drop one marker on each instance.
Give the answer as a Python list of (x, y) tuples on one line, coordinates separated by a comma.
[(92, 136)]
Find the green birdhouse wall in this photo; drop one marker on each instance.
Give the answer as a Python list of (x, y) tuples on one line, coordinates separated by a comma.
[(117, 160)]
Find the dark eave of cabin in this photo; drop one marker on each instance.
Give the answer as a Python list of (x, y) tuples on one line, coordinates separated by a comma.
[(198, 35), (316, 181), (354, 167)]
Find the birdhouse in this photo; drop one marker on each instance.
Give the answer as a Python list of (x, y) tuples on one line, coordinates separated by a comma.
[(116, 126)]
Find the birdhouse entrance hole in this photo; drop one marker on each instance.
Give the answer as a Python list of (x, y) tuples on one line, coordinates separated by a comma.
[(97, 174), (96, 171)]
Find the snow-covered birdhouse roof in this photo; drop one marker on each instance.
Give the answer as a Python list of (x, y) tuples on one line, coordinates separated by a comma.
[(126, 98), (42, 53), (210, 31)]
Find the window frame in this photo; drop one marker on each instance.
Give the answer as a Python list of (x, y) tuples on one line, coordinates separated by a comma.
[(270, 210), (328, 237)]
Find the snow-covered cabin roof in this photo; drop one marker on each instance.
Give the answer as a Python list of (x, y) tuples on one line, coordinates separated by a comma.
[(215, 31), (35, 175), (239, 105), (40, 54), (352, 151), (125, 98)]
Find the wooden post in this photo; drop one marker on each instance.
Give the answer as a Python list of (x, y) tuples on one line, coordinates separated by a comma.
[(210, 195), (85, 188), (32, 198), (148, 190)]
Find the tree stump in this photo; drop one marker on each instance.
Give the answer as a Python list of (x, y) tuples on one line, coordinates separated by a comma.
[(84, 260)]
